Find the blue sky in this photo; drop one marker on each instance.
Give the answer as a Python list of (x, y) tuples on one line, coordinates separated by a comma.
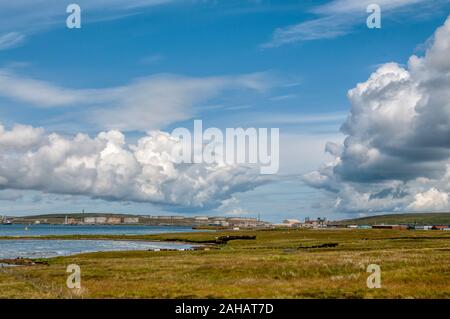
[(298, 84)]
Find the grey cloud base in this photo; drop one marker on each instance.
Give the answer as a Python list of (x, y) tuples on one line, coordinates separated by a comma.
[(396, 154)]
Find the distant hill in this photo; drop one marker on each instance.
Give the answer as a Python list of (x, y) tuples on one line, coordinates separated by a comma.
[(419, 219)]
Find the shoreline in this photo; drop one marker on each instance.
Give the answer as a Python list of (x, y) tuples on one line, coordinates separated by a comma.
[(65, 248), (203, 245)]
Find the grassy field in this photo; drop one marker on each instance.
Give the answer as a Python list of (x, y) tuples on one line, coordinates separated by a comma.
[(409, 219), (277, 264)]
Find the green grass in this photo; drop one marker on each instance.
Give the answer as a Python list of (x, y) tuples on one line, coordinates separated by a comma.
[(278, 264)]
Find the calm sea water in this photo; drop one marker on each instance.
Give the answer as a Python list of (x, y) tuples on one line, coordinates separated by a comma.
[(41, 248), (42, 230)]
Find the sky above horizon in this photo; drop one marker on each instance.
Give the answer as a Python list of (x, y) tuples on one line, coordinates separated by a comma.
[(82, 109)]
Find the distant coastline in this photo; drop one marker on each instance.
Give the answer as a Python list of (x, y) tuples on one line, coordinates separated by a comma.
[(139, 220)]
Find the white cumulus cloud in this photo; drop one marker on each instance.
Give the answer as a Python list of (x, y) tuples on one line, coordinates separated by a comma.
[(431, 200), (107, 167), (396, 154)]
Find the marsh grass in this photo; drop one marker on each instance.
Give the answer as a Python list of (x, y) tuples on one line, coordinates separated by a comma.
[(414, 264)]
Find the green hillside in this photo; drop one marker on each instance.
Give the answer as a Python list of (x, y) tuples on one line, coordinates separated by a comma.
[(419, 219)]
